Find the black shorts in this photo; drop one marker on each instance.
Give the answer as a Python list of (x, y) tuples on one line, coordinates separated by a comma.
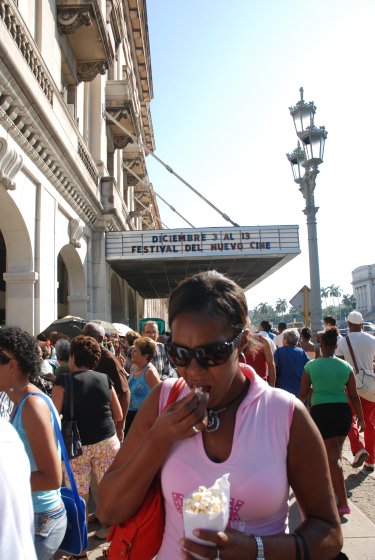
[(332, 419)]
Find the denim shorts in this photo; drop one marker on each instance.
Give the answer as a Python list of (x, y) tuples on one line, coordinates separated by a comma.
[(50, 528)]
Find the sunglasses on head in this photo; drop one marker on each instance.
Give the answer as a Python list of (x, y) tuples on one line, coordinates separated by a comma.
[(4, 359), (214, 354)]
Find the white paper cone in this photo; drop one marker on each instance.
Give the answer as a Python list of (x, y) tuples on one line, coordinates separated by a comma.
[(213, 521)]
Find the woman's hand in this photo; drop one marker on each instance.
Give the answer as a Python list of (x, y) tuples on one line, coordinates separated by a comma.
[(120, 431), (182, 419), (361, 424), (228, 545)]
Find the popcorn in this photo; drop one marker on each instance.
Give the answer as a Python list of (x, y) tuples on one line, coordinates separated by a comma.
[(207, 508), (198, 391), (205, 500)]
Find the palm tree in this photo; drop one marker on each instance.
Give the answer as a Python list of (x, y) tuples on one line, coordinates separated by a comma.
[(349, 301), (264, 309), (281, 306), (335, 292), (324, 293), (331, 292)]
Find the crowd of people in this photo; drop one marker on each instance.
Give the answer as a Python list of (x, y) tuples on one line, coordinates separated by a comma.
[(271, 408), (85, 375)]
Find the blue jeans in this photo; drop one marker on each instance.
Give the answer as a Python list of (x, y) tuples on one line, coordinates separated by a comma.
[(50, 528)]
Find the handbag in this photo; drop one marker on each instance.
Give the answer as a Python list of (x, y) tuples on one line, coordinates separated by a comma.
[(140, 536), (69, 426), (75, 539), (364, 378)]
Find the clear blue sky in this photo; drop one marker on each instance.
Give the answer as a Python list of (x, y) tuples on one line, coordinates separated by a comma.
[(224, 75)]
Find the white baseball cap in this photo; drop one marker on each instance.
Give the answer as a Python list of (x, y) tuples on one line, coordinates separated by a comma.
[(355, 317)]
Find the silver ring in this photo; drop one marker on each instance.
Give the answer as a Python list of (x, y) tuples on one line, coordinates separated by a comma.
[(196, 430)]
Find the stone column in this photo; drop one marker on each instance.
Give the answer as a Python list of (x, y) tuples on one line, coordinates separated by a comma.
[(98, 135), (20, 300), (100, 281), (78, 305)]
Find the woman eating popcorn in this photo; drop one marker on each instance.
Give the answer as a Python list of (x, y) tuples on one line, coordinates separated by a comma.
[(226, 420)]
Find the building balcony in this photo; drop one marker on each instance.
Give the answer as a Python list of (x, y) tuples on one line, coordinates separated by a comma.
[(121, 105), (84, 23)]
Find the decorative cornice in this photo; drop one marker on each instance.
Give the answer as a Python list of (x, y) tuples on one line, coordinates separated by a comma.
[(9, 15), (136, 12), (88, 161), (10, 163), (49, 162), (148, 130), (88, 208), (70, 19)]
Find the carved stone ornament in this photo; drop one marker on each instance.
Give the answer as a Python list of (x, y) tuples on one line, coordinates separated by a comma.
[(70, 19), (88, 70), (76, 228), (131, 180), (120, 142), (10, 164)]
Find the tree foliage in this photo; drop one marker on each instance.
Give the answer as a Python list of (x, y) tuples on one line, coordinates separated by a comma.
[(339, 306)]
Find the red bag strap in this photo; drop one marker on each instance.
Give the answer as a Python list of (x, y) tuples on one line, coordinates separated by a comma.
[(175, 391)]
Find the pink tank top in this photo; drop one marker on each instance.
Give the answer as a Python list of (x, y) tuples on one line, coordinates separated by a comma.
[(257, 466)]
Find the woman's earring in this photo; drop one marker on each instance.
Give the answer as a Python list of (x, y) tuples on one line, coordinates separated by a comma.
[(242, 358), (11, 388)]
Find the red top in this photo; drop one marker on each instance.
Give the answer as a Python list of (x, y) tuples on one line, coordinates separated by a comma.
[(257, 360)]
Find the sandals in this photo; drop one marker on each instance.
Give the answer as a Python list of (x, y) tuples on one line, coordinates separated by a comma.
[(344, 510)]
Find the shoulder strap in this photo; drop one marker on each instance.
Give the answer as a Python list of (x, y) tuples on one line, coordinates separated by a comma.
[(351, 352), (18, 407), (175, 391), (62, 445), (70, 396)]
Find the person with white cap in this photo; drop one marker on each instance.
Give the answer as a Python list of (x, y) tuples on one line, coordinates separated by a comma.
[(363, 348)]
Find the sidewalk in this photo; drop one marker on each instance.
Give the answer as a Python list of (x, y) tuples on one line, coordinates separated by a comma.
[(358, 531)]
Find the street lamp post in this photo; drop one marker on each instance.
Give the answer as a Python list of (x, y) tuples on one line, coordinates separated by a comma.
[(305, 161)]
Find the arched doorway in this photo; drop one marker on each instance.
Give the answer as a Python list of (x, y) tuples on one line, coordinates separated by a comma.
[(18, 276), (3, 261), (62, 288), (117, 310), (72, 291)]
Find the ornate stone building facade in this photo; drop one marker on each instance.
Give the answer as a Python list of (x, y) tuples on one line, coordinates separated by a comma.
[(363, 281), (66, 169)]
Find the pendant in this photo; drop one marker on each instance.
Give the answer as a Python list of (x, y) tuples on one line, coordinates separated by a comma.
[(213, 423)]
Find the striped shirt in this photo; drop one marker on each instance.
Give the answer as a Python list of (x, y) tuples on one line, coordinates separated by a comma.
[(6, 406)]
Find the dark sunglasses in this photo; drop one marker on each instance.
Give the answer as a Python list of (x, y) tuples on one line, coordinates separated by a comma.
[(4, 359), (214, 354)]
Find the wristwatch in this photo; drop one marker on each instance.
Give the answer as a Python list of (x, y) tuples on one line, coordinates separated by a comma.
[(260, 547)]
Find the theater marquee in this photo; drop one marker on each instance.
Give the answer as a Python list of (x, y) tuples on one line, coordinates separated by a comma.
[(156, 260)]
